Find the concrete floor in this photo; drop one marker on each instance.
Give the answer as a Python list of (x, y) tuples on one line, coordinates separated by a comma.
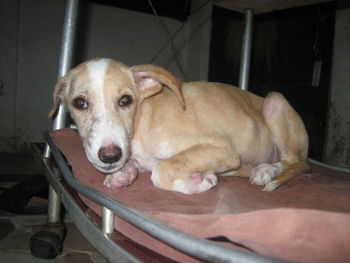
[(15, 234), (16, 230)]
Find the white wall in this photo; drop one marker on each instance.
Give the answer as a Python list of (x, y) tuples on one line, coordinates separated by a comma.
[(29, 56)]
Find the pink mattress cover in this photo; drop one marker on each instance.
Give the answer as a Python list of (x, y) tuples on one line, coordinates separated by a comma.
[(306, 220)]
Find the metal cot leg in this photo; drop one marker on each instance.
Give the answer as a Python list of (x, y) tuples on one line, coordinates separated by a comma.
[(48, 242), (107, 221), (54, 209), (246, 50)]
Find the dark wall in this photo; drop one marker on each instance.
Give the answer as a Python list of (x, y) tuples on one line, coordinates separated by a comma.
[(286, 45)]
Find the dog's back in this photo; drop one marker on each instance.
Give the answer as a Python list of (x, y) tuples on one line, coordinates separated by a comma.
[(213, 109)]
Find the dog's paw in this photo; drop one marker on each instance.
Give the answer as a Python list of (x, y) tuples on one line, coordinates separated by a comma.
[(270, 186), (123, 177), (264, 173), (196, 183)]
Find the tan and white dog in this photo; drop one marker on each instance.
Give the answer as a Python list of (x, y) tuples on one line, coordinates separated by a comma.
[(142, 118)]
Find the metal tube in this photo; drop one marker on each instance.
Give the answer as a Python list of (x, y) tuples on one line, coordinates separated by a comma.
[(106, 246), (199, 248), (107, 221), (65, 60), (246, 50), (66, 55), (54, 208), (329, 166)]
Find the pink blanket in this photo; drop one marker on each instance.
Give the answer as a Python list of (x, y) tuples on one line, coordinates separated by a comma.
[(306, 220)]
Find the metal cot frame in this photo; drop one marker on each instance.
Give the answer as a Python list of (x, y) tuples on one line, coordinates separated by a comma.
[(99, 234)]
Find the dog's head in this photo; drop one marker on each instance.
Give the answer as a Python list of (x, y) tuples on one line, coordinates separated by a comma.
[(103, 97)]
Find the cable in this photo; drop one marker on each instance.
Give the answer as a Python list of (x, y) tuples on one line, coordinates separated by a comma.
[(169, 40), (332, 167)]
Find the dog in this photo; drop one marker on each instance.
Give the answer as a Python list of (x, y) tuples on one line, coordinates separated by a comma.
[(142, 118)]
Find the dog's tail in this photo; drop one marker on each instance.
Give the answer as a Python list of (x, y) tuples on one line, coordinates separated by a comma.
[(288, 174)]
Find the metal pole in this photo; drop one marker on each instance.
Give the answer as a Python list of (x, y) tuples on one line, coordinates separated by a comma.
[(65, 60), (246, 50), (107, 221), (65, 63), (54, 208)]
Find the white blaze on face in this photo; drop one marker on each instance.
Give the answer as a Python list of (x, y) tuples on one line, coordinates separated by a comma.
[(105, 129)]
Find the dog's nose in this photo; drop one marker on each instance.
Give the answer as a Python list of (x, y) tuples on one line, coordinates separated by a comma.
[(110, 154)]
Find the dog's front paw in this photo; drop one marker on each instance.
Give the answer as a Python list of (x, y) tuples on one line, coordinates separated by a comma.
[(264, 173), (196, 183), (123, 177), (170, 179)]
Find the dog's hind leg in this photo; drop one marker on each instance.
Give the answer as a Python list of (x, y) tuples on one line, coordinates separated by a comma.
[(289, 135), (194, 170)]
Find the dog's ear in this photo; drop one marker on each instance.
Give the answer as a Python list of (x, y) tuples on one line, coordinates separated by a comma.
[(150, 80), (57, 95)]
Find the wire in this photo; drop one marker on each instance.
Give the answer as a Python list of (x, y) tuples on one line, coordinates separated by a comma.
[(200, 7), (164, 46), (169, 40)]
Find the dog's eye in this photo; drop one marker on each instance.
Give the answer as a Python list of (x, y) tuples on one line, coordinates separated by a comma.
[(80, 103), (125, 100)]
